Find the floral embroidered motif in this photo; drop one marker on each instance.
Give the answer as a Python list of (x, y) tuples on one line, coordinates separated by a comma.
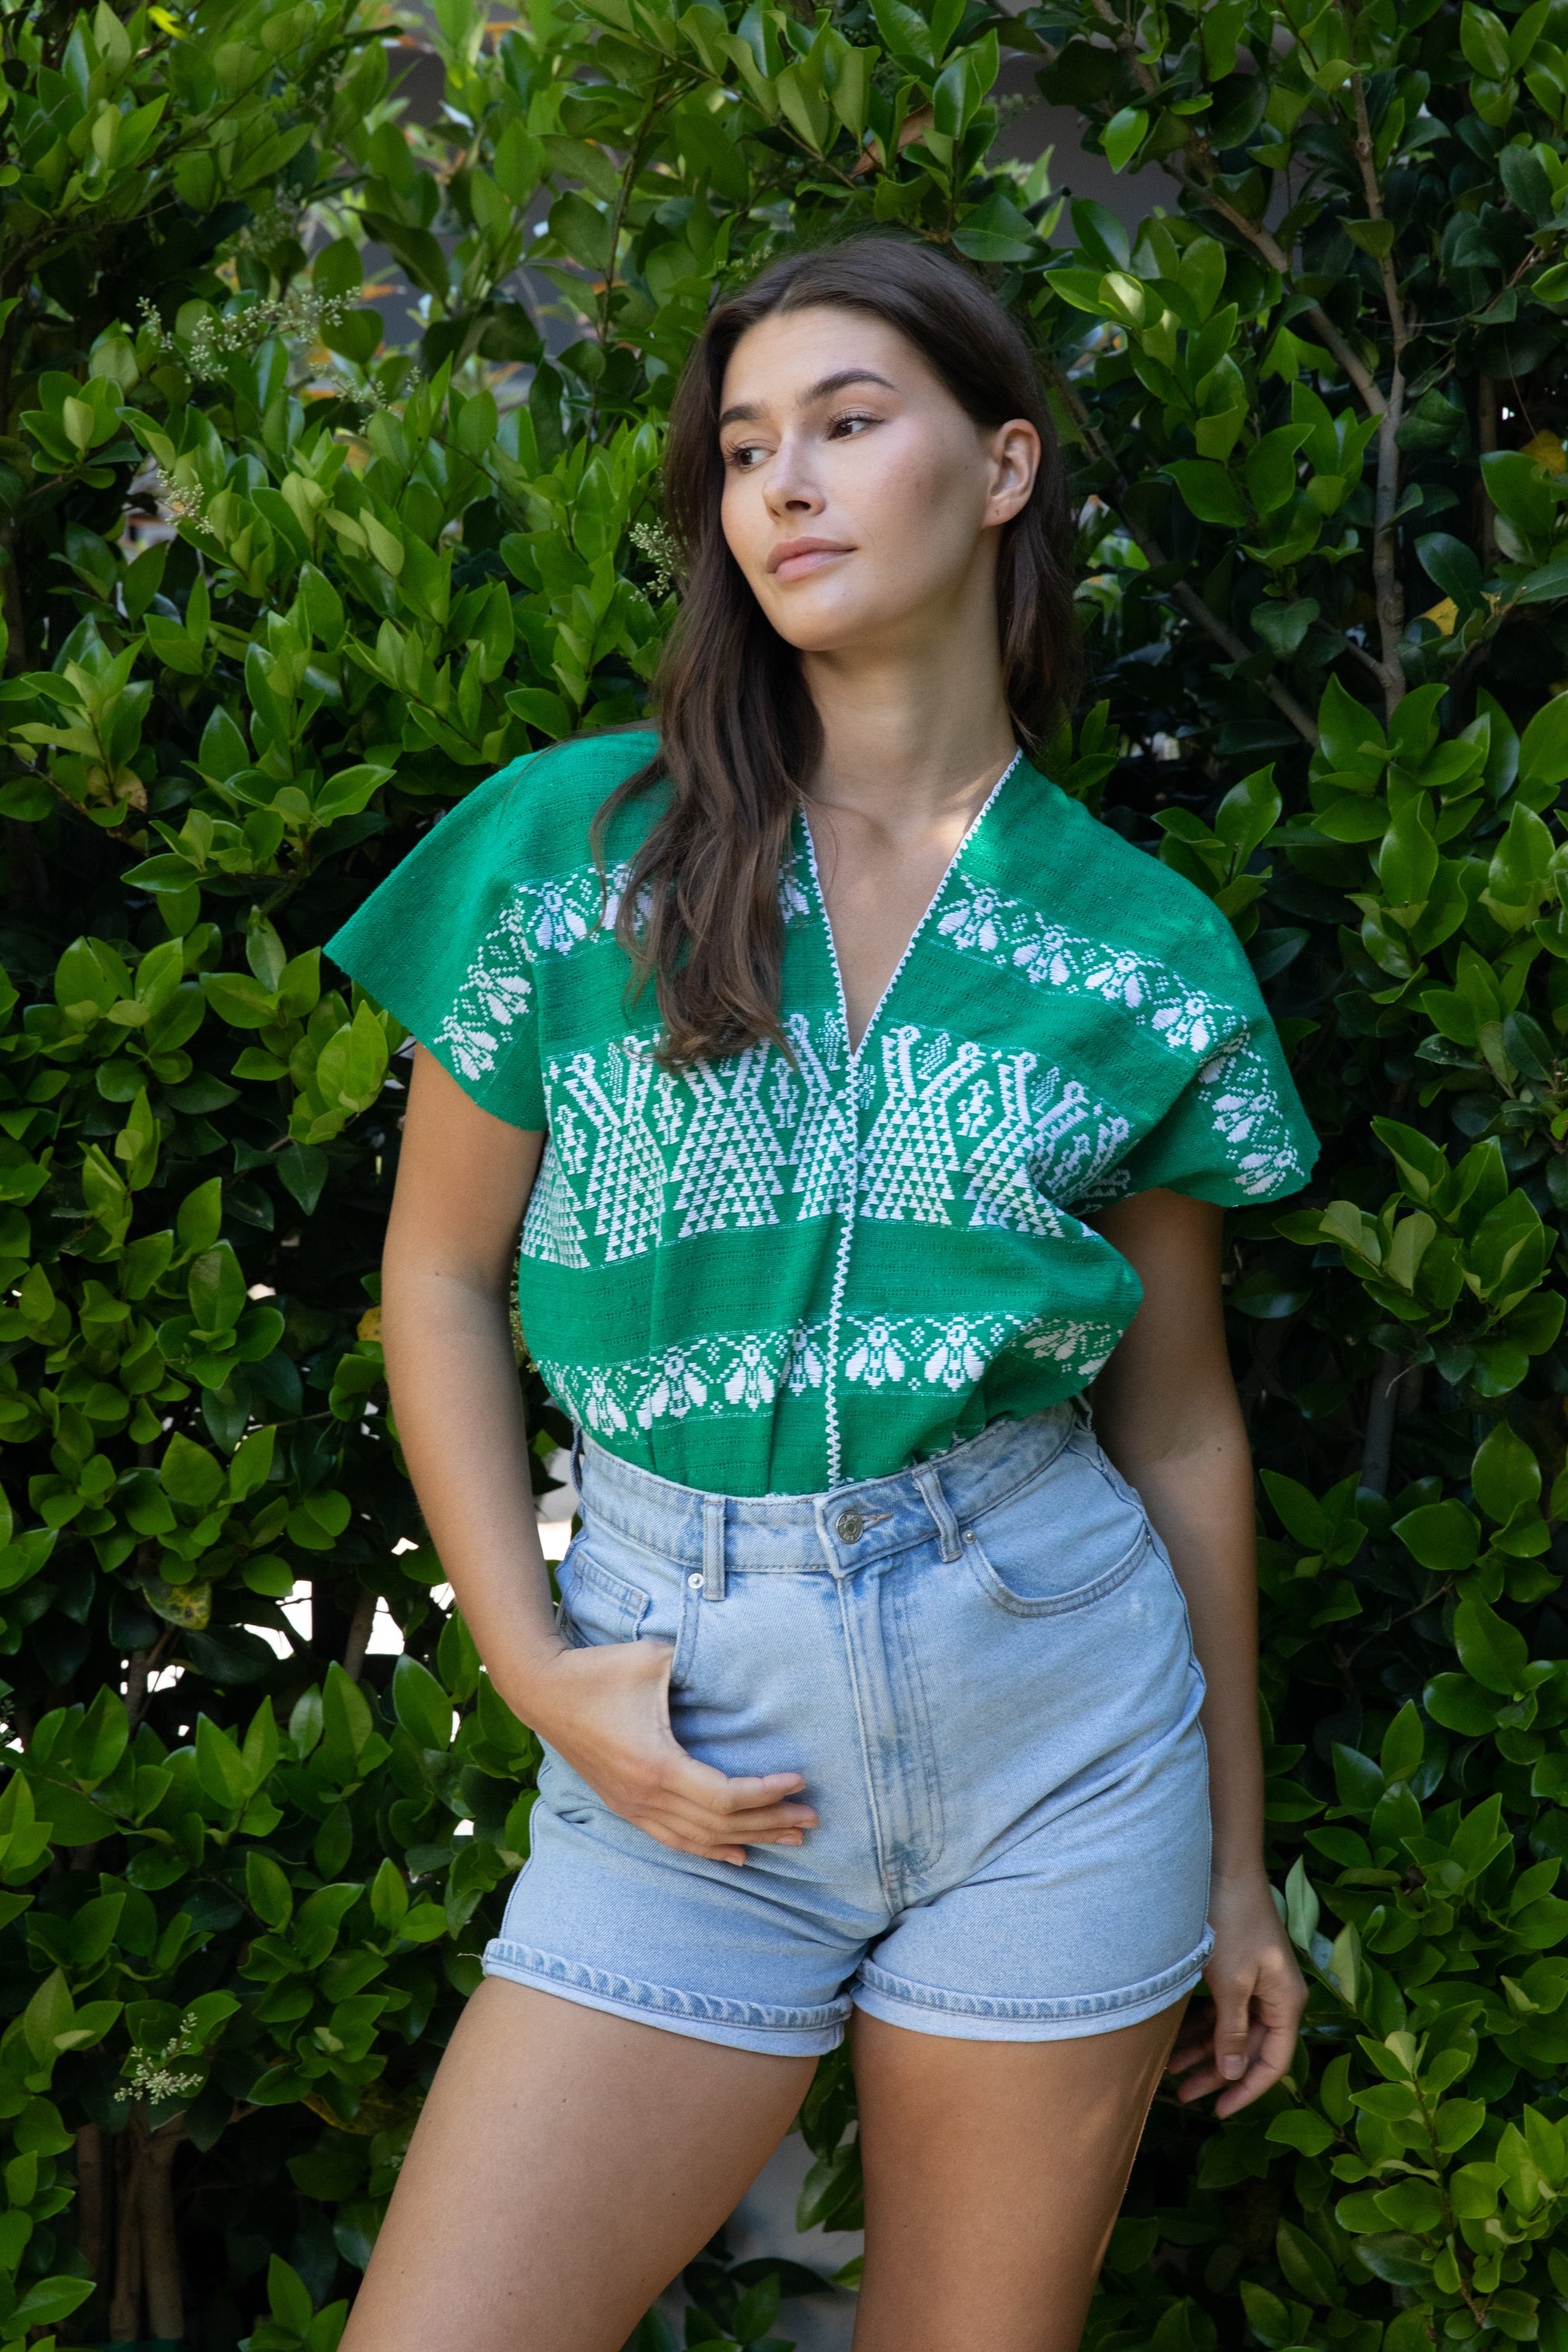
[(717, 1377), (729, 1373), (553, 918), (953, 1351), (1234, 1075), (1244, 1110)]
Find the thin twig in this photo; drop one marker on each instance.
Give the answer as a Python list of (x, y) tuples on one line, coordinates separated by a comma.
[(1198, 182), (1390, 592)]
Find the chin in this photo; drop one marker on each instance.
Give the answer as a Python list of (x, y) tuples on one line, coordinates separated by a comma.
[(832, 629)]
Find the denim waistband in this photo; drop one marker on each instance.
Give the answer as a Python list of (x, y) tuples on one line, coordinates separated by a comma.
[(839, 1531)]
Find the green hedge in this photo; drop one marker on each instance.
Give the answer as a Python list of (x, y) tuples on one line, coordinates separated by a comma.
[(1314, 409)]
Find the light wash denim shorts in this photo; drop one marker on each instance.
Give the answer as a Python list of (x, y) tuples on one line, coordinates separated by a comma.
[(983, 1667)]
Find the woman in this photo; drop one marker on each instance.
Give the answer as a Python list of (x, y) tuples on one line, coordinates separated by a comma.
[(886, 1102)]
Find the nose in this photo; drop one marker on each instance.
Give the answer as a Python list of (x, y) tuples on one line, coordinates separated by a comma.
[(789, 490)]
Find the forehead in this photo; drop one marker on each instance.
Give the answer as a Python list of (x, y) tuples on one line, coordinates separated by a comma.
[(786, 356)]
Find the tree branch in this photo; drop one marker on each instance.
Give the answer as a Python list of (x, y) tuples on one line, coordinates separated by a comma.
[(1198, 178), (358, 1641), (1366, 157), (1386, 585)]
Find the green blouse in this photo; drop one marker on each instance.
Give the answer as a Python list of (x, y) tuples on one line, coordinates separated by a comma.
[(777, 1272)]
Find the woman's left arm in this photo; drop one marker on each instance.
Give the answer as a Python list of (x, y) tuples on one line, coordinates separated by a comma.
[(1167, 1412)]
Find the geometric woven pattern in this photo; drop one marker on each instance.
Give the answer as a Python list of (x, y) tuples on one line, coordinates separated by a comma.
[(795, 1265)]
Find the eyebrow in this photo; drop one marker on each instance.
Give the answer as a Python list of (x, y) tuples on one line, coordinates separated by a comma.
[(746, 411)]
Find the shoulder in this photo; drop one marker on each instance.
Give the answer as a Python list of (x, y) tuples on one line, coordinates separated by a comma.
[(537, 814), (1079, 874)]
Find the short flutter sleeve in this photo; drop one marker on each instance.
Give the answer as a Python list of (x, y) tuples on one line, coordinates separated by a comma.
[(444, 944), (1237, 1131)]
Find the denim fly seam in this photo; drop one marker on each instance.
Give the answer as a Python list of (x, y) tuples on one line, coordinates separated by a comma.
[(984, 1669)]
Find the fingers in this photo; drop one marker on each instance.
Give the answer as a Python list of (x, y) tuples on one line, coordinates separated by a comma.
[(614, 1728), (1267, 2061), (1231, 2039), (741, 1796), (1244, 2043), (715, 1811), (696, 1809)]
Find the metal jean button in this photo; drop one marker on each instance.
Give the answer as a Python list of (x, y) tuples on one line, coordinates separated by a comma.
[(850, 1526)]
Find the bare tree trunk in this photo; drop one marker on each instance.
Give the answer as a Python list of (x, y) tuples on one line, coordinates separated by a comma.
[(136, 1684), (139, 1669), (160, 2240), (358, 1641), (92, 2213), (125, 2309)]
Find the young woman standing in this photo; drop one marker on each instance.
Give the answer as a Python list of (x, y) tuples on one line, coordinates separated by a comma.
[(884, 1103)]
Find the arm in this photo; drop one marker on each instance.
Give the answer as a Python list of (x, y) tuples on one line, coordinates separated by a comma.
[(463, 1182), (1166, 1410)]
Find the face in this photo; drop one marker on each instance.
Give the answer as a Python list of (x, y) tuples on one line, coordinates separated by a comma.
[(860, 501)]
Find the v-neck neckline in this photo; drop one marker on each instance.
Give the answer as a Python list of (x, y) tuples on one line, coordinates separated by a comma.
[(975, 821)]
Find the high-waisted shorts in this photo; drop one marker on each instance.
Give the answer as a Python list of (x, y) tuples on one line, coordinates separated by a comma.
[(983, 1667)]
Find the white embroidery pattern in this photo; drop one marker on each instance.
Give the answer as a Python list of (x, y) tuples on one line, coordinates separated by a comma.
[(953, 1351), (1242, 1103), (552, 1227), (730, 1375), (726, 1171), (626, 1179), (553, 918), (909, 1158), (721, 1376), (961, 1137)]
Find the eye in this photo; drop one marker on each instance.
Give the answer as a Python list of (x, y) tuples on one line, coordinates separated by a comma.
[(744, 456), (843, 426)]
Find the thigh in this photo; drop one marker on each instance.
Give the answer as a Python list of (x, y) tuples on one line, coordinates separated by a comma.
[(993, 2173), (566, 2165)]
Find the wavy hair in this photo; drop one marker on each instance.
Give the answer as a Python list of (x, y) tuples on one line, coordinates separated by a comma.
[(740, 734)]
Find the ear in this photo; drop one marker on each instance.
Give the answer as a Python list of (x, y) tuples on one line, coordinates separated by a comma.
[(1014, 454)]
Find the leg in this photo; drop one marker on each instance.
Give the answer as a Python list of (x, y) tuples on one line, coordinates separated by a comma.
[(567, 2164), (993, 2173)]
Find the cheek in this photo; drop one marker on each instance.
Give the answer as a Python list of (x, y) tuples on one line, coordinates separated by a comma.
[(743, 522), (924, 506)]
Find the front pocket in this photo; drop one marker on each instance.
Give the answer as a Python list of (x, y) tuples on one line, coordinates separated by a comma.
[(1066, 1538), (1077, 1596), (600, 1605), (597, 1605)]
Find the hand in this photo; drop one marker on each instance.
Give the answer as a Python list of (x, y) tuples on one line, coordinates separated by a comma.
[(1245, 2041), (605, 1709)]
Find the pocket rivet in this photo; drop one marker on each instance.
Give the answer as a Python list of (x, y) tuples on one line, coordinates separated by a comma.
[(969, 1535), (695, 1581)]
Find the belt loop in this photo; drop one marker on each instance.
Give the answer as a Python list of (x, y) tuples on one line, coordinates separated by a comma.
[(713, 1546), (937, 1504)]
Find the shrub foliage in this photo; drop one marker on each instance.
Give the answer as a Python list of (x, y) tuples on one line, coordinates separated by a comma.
[(280, 584)]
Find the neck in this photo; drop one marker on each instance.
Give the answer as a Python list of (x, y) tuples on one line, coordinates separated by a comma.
[(911, 734)]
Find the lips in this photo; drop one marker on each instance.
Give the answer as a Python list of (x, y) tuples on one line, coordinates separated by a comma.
[(794, 559)]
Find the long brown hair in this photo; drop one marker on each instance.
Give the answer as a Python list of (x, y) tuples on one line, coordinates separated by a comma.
[(739, 732)]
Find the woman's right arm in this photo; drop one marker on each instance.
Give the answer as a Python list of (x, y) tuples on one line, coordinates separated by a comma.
[(463, 1182)]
